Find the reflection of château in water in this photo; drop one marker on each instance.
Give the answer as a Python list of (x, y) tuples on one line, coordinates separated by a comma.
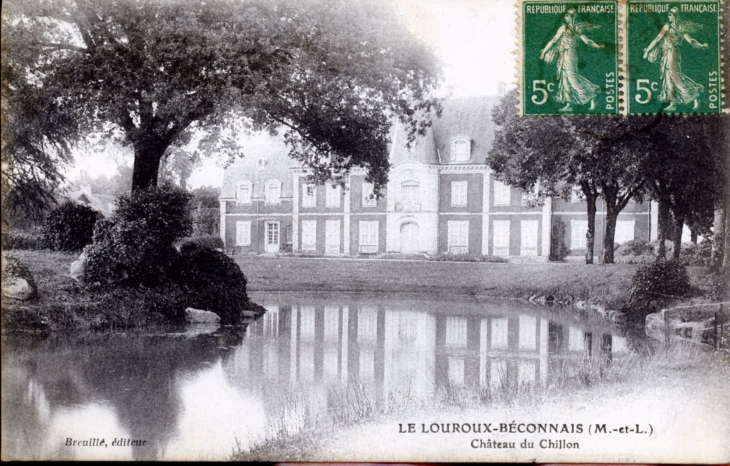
[(384, 343), (208, 393)]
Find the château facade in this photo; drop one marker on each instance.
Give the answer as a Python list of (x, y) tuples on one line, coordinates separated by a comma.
[(441, 197)]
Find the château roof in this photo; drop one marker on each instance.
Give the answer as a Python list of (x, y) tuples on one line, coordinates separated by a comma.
[(469, 117), (265, 157)]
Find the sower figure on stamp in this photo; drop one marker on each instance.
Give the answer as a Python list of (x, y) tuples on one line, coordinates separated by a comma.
[(572, 87), (676, 86)]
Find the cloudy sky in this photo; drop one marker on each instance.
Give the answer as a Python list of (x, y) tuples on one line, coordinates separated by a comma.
[(475, 40)]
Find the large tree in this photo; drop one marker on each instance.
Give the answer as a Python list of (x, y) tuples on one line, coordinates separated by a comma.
[(332, 74), (601, 156), (684, 168), (37, 138)]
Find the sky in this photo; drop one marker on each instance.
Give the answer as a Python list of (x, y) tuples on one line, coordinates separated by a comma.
[(474, 39)]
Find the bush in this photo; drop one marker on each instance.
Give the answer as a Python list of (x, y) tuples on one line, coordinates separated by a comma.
[(206, 241), (21, 240), (212, 280), (135, 245), (635, 248), (70, 226), (654, 286), (635, 252)]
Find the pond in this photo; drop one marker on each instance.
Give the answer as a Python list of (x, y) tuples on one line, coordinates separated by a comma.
[(203, 393)]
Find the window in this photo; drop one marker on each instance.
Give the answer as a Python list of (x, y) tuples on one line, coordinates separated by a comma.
[(332, 237), (528, 238), (458, 236), (368, 199), (501, 193), (410, 196), (243, 192), (273, 191), (333, 195), (243, 233), (500, 240), (458, 193), (369, 237), (309, 195), (578, 230), (461, 150), (309, 235), (624, 231)]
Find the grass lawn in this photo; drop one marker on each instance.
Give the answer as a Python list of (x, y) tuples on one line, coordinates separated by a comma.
[(62, 303), (600, 283)]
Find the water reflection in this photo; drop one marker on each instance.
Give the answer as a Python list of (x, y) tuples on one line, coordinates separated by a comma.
[(200, 396)]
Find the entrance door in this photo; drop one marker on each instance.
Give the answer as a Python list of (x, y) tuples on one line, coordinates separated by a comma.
[(409, 238), (272, 236)]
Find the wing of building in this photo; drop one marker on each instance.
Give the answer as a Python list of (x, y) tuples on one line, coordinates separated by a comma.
[(441, 198)]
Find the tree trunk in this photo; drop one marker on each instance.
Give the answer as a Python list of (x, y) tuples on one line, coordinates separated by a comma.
[(146, 165), (677, 237), (693, 235), (591, 230), (663, 221), (611, 217)]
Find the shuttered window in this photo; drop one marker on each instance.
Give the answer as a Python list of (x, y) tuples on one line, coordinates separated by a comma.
[(458, 236), (309, 235), (243, 233), (369, 237), (500, 240), (458, 193)]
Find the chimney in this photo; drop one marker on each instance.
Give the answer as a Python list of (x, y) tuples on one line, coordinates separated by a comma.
[(501, 88)]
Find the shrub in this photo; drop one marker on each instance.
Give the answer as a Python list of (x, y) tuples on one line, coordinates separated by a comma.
[(206, 241), (635, 248), (22, 240), (558, 249), (135, 245), (70, 226), (654, 286), (212, 280), (164, 209)]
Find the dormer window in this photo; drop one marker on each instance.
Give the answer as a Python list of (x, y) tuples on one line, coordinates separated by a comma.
[(273, 192), (461, 149), (243, 192)]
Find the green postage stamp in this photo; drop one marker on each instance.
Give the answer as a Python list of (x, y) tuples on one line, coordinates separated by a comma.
[(674, 57), (620, 57), (570, 58)]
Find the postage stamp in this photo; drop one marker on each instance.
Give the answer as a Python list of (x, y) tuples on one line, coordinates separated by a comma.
[(674, 57), (570, 58)]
